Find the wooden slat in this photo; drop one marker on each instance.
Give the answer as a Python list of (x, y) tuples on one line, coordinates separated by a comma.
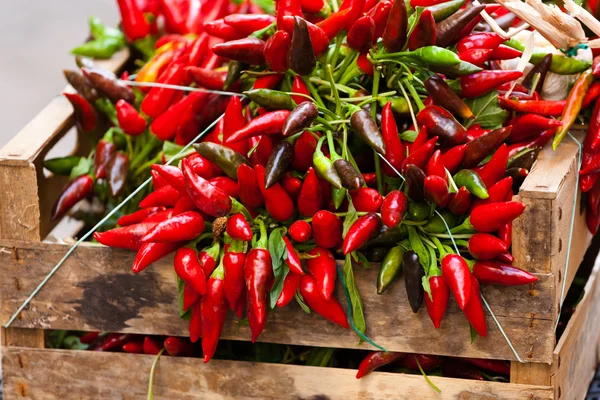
[(94, 375), (95, 290), (530, 373), (21, 337), (577, 354)]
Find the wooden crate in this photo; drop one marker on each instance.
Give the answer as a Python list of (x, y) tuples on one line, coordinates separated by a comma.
[(96, 291)]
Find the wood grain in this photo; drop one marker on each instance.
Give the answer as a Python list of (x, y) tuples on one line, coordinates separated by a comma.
[(94, 375), (95, 290), (577, 354)]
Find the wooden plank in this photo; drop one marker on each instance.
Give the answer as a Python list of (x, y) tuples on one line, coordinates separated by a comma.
[(577, 354), (49, 125), (22, 337), (530, 373), (33, 374), (19, 205), (95, 290)]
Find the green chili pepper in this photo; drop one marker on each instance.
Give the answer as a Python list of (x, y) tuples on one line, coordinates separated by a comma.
[(471, 180), (418, 211), (399, 104), (391, 266), (62, 166), (460, 69), (436, 224), (444, 10), (437, 56), (324, 166), (560, 64), (225, 158), (234, 71), (271, 99), (98, 48), (338, 196)]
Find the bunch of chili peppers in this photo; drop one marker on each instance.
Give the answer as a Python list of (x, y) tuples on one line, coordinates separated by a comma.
[(372, 131)]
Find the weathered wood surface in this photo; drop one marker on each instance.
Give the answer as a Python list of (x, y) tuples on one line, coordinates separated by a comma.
[(577, 354), (96, 290), (541, 234), (34, 374)]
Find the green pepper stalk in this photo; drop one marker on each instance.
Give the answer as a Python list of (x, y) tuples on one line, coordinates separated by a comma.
[(324, 166)]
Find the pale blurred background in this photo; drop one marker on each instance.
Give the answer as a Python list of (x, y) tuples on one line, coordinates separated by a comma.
[(36, 37)]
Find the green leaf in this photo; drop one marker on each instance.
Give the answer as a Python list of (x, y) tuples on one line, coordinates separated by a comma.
[(83, 167), (276, 247), (487, 112), (237, 207), (437, 390), (62, 165), (418, 247), (426, 287), (73, 343), (268, 6), (171, 149), (300, 301), (185, 314), (361, 259), (473, 334), (358, 314), (409, 136), (100, 31), (351, 217)]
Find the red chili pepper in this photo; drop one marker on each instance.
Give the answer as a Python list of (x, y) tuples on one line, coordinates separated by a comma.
[(549, 108), (188, 268), (592, 220), (127, 237), (263, 148), (248, 50), (356, 9), (506, 258), (504, 52), (115, 340), (480, 83), (435, 166), (226, 184), (303, 152), (366, 199), (424, 32), (298, 86), (190, 297), (208, 258), (330, 309), (290, 286), (474, 309), (160, 216), (380, 14), (455, 272), (421, 138), (203, 167), (495, 169), (291, 185), (173, 176), (300, 231), (394, 35), (290, 8), (267, 124), (152, 252), (539, 141), (393, 208), (480, 40), (186, 226), (270, 81), (245, 24), (489, 8), (165, 125), (158, 99), (490, 217), (75, 191), (84, 113), (453, 157), (258, 273), (233, 264), (151, 346), (278, 203), (238, 228), (199, 50), (129, 119), (361, 34), (435, 189), (175, 346), (528, 125), (207, 78), (195, 326), (505, 234), (438, 303), (104, 151), (394, 149), (138, 216), (208, 198), (322, 267), (184, 204), (497, 193), (310, 199), (497, 366), (376, 359), (89, 337), (476, 57), (593, 133), (327, 229), (313, 6), (364, 64), (248, 189), (157, 180), (420, 156), (496, 273), (134, 23), (292, 260), (276, 50), (335, 23), (361, 231), (214, 312), (483, 246)]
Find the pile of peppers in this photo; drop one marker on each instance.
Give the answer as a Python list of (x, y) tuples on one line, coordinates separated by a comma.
[(373, 131)]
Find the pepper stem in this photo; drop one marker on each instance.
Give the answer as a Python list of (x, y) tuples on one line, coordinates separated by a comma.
[(336, 95), (330, 143), (262, 242)]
